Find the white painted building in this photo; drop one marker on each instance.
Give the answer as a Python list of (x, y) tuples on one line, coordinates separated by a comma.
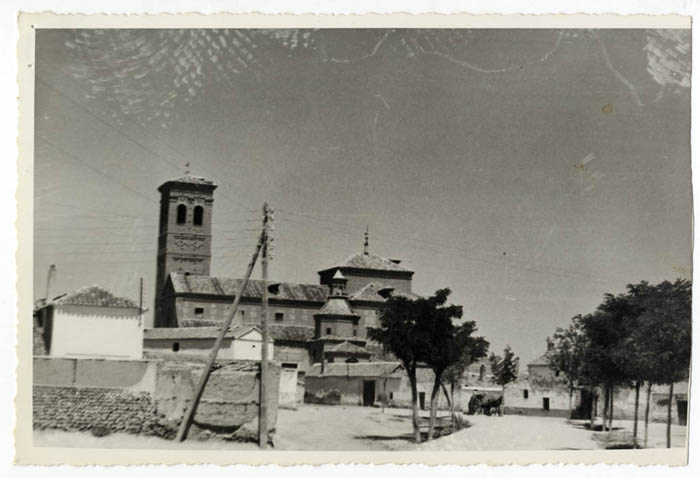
[(91, 322), (242, 342)]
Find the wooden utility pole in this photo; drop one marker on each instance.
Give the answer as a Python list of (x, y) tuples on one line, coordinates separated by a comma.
[(141, 295), (189, 414), (262, 425), (52, 269)]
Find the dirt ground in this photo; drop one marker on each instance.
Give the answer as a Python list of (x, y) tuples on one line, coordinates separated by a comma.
[(339, 428), (318, 427), (58, 438)]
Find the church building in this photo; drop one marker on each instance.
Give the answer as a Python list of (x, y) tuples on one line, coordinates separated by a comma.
[(309, 323)]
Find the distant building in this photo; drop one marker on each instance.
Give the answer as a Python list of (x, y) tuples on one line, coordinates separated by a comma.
[(90, 322), (364, 383), (544, 391), (241, 342)]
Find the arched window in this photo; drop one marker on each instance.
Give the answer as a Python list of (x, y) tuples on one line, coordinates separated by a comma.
[(482, 372), (181, 214), (198, 215)]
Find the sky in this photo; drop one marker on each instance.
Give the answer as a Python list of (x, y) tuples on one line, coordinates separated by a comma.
[(530, 171)]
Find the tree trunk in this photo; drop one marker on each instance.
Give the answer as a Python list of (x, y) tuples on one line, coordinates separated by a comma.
[(414, 403), (571, 398), (646, 416), (433, 407), (605, 407), (450, 402), (594, 408), (453, 415), (637, 384), (668, 416), (612, 396)]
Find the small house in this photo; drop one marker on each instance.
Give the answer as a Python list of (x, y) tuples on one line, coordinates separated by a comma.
[(241, 342), (345, 383), (90, 322)]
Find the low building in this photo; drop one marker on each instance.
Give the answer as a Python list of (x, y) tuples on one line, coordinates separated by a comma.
[(362, 383), (544, 392), (90, 322), (242, 342)]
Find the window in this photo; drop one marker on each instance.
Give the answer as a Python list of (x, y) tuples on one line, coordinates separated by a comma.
[(354, 332), (526, 393), (482, 372), (556, 374), (242, 314), (181, 214), (279, 316), (198, 311), (328, 331), (176, 346), (198, 219)]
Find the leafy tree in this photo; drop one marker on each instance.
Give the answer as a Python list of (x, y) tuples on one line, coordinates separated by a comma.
[(565, 352), (661, 340), (470, 350), (504, 369), (412, 330), (605, 332)]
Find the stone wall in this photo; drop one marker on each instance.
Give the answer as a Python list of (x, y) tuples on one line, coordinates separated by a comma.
[(101, 410), (150, 396)]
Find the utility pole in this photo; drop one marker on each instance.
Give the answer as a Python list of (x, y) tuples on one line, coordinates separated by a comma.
[(262, 426), (52, 269), (141, 295), (189, 414)]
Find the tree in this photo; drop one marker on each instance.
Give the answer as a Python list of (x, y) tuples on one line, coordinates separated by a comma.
[(662, 338), (471, 349), (504, 369), (603, 357), (565, 351), (407, 330)]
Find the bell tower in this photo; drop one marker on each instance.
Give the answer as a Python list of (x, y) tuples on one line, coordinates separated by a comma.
[(184, 231)]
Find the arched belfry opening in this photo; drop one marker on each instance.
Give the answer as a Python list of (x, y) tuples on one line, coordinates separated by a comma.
[(181, 214), (198, 219)]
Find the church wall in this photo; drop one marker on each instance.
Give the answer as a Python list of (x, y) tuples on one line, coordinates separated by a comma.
[(341, 327), (289, 353), (357, 281), (369, 317), (248, 313)]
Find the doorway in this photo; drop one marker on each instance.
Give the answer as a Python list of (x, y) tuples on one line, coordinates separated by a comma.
[(368, 393), (682, 406), (545, 404), (421, 400)]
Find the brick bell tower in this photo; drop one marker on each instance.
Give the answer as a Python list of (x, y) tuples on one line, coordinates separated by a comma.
[(184, 233)]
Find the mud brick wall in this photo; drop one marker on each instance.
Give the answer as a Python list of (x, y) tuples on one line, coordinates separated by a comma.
[(84, 409)]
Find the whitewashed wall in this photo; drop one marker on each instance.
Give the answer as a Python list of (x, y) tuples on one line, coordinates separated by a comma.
[(108, 332)]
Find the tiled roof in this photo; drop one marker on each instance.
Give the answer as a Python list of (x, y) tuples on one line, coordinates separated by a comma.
[(348, 348), (291, 333), (541, 360), (359, 369), (189, 179), (207, 285), (96, 296), (339, 338), (195, 332), (372, 262), (371, 293), (336, 306)]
